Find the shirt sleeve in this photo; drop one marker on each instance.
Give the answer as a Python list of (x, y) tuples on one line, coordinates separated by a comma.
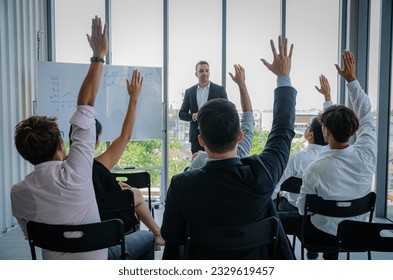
[(365, 136), (199, 161), (81, 154), (247, 126), (284, 81)]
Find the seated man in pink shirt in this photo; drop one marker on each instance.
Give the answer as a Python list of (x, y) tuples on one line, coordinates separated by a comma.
[(60, 189)]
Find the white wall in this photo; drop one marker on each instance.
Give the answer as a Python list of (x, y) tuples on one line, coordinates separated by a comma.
[(20, 21)]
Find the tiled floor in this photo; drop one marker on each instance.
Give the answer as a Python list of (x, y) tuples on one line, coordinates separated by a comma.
[(14, 247)]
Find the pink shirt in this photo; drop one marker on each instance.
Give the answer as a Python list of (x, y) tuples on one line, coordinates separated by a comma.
[(61, 192)]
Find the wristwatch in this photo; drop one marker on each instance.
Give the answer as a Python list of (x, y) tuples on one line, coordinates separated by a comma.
[(97, 59)]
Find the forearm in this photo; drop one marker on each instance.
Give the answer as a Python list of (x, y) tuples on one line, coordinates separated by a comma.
[(90, 85), (129, 120), (245, 98), (247, 126)]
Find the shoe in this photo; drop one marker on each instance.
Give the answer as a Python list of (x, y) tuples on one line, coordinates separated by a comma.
[(312, 255)]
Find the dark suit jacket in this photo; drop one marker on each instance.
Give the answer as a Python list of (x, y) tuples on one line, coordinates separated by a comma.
[(233, 191), (190, 106)]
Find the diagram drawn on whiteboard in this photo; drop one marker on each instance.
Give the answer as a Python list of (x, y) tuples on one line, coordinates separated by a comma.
[(58, 87)]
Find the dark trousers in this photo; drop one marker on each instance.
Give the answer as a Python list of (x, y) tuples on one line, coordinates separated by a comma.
[(318, 236)]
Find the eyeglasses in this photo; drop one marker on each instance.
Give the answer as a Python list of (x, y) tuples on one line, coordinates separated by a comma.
[(61, 134)]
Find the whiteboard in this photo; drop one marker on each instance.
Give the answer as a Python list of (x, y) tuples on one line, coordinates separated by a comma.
[(58, 87)]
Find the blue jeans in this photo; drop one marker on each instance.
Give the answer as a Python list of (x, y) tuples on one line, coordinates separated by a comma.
[(139, 246)]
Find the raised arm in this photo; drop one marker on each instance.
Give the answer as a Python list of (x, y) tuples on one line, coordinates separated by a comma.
[(325, 88), (111, 156), (276, 152), (99, 44), (240, 79), (247, 120), (361, 105), (81, 154)]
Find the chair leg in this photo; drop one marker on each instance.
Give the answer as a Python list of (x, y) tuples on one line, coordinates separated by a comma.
[(348, 255), (369, 255), (302, 252), (293, 244)]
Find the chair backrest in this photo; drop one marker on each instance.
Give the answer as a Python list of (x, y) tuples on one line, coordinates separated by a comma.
[(76, 238), (337, 209), (118, 204), (364, 236), (341, 208), (237, 238), (292, 185), (138, 180)]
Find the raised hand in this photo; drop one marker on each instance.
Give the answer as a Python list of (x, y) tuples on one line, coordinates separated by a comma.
[(325, 88), (240, 75), (98, 39), (348, 71), (134, 87), (281, 65)]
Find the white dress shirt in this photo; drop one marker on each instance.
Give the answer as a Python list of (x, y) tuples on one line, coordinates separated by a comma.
[(297, 163), (341, 174), (202, 95), (61, 192)]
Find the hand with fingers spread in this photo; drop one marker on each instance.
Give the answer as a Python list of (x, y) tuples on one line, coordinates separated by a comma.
[(240, 76), (281, 65), (325, 88), (98, 39), (348, 72), (134, 87), (240, 79)]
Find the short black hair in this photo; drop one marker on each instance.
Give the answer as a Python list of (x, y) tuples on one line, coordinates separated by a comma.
[(36, 138), (341, 121), (219, 125), (316, 128), (199, 63)]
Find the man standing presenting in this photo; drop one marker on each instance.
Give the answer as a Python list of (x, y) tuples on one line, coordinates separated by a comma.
[(195, 97)]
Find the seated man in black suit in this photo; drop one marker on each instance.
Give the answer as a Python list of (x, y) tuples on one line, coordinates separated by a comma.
[(229, 191)]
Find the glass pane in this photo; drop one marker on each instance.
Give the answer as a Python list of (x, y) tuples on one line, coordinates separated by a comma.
[(71, 25), (194, 35), (312, 25), (248, 40), (137, 33), (137, 40)]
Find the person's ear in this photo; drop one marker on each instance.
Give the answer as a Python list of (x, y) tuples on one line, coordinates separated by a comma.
[(200, 140), (240, 136), (311, 135), (196, 74), (60, 144)]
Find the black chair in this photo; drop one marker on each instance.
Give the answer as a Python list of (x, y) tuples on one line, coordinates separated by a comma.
[(230, 240), (357, 236), (138, 180), (118, 204), (94, 236), (292, 224), (332, 208)]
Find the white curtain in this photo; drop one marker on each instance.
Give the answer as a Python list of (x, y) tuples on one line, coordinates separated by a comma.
[(20, 23)]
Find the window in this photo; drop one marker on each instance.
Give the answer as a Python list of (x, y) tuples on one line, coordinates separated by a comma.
[(72, 46)]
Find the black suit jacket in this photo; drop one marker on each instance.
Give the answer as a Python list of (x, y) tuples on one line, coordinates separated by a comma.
[(190, 106), (233, 191)]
